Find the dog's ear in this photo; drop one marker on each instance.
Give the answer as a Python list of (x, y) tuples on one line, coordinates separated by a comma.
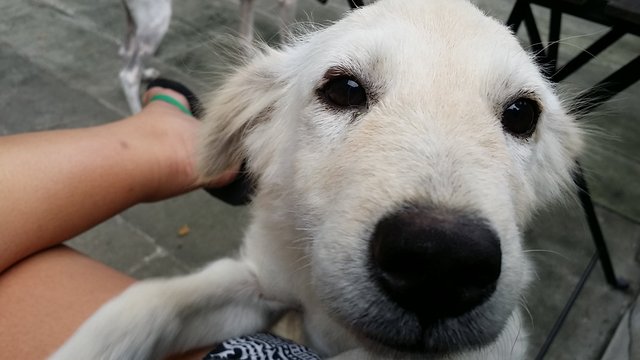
[(244, 100)]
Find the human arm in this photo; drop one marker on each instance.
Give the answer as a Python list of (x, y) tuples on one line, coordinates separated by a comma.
[(57, 184)]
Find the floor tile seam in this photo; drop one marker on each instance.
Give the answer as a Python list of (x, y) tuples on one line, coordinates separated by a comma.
[(611, 334), (171, 68), (235, 3), (625, 319), (54, 74), (184, 22), (169, 55), (629, 218), (161, 250), (207, 35), (633, 327), (157, 253), (83, 21), (52, 5)]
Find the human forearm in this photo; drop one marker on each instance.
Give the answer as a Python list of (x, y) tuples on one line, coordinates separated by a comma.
[(55, 185)]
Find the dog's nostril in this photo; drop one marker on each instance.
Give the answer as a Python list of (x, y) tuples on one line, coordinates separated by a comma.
[(433, 264)]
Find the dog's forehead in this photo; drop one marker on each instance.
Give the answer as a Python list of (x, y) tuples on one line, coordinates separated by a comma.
[(420, 42)]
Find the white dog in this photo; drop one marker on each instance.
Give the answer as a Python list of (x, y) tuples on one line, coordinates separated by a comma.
[(398, 154)]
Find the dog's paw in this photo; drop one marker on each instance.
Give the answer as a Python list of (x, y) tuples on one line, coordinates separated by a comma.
[(135, 325), (155, 318)]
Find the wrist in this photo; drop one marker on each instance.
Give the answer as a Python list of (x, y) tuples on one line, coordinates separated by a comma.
[(162, 144)]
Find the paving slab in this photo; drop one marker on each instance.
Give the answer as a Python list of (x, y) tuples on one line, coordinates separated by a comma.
[(159, 265), (214, 228), (36, 99), (613, 181), (82, 59), (560, 245), (624, 345), (124, 247)]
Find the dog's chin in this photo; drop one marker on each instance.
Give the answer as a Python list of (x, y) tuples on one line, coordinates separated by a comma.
[(440, 338), (405, 332)]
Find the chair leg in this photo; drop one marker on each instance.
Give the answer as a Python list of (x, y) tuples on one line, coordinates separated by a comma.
[(522, 13), (601, 254), (567, 307), (596, 232), (607, 88), (354, 4), (516, 16)]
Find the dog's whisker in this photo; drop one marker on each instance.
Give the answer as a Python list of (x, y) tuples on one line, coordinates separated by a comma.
[(564, 40), (546, 251), (304, 229), (304, 262), (525, 306), (517, 336)]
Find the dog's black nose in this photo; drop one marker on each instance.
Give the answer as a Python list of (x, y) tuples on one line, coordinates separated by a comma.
[(435, 264)]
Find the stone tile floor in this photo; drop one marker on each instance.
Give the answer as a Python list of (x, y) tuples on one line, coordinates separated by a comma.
[(59, 66)]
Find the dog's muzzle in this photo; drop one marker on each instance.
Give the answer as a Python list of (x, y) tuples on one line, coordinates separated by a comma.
[(436, 264)]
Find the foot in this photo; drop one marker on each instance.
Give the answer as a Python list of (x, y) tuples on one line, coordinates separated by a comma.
[(171, 137)]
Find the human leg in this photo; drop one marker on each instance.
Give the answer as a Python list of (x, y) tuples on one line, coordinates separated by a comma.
[(47, 296)]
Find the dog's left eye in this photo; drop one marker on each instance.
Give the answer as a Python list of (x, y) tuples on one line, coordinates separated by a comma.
[(344, 92), (520, 117)]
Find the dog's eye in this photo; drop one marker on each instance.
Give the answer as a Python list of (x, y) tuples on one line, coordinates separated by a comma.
[(520, 117), (344, 92)]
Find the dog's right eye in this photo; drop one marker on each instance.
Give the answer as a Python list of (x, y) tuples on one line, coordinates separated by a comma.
[(344, 92)]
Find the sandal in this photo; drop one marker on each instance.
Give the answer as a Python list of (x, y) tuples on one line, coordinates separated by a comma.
[(237, 192)]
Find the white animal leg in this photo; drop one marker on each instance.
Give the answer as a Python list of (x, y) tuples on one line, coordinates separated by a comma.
[(130, 77), (126, 48), (155, 318), (147, 23), (150, 36)]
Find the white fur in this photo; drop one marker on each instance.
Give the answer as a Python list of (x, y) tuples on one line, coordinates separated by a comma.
[(438, 74)]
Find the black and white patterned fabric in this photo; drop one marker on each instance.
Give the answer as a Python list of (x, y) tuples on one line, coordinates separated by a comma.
[(260, 347)]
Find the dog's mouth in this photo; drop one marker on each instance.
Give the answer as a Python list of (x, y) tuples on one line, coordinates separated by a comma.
[(409, 333)]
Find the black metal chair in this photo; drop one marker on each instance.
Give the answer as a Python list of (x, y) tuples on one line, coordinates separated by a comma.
[(622, 17)]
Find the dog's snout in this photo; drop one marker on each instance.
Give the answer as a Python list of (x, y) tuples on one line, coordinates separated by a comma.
[(437, 265)]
